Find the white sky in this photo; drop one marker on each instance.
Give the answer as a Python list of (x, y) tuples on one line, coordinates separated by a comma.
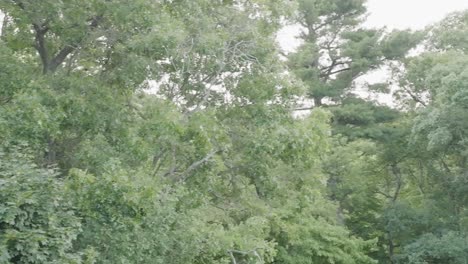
[(1, 21), (415, 14)]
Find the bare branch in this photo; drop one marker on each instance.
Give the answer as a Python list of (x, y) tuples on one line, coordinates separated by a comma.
[(233, 259), (304, 108), (340, 70), (413, 96)]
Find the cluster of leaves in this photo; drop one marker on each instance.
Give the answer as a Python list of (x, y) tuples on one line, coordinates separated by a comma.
[(38, 223)]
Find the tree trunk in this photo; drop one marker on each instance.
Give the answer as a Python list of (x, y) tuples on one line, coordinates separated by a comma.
[(318, 101)]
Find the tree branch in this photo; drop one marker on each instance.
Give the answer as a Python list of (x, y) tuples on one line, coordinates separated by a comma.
[(326, 72), (414, 97), (384, 194), (396, 172), (233, 259), (59, 58), (197, 164), (64, 52), (338, 71), (304, 108), (51, 65)]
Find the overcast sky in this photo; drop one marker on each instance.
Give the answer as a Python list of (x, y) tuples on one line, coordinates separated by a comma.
[(414, 14)]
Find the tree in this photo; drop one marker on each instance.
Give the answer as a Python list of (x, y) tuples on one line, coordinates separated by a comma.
[(336, 49)]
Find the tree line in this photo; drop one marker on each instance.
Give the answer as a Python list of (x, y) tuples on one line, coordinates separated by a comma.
[(164, 131)]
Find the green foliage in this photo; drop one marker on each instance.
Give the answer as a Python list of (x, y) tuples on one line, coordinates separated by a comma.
[(396, 45), (39, 224), (162, 132), (337, 49), (450, 33), (12, 76), (449, 248), (357, 118), (308, 237)]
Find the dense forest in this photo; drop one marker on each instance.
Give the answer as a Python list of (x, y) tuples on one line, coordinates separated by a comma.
[(178, 131)]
